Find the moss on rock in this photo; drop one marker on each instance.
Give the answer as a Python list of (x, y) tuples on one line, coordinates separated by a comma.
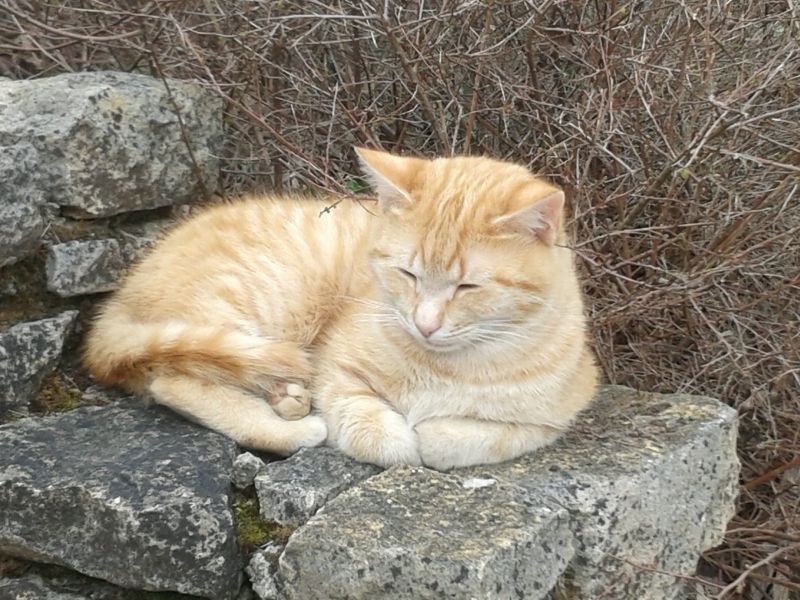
[(254, 531)]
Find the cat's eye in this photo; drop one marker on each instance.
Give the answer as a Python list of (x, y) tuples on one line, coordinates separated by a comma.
[(407, 273), (463, 287)]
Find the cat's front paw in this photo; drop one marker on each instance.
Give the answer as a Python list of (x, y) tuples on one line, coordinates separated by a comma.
[(313, 430), (383, 439), (440, 447)]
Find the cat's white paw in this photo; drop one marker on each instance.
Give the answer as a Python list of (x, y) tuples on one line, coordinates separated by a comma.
[(384, 439), (439, 446), (313, 431), (291, 401)]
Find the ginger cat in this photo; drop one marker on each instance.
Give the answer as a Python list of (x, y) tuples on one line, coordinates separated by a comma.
[(445, 327)]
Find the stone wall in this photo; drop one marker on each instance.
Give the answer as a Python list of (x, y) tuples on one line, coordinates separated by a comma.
[(114, 500)]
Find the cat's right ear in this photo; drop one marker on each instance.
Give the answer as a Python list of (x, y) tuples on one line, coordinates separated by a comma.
[(391, 176)]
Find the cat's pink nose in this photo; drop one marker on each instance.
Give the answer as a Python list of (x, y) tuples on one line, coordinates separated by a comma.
[(428, 329), (428, 318)]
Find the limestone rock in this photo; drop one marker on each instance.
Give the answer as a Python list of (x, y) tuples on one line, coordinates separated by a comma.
[(647, 479), (32, 587), (415, 533), (245, 468), (28, 353), (48, 582), (84, 267), (262, 571), (91, 266), (112, 142), (290, 491), (138, 497), (21, 221)]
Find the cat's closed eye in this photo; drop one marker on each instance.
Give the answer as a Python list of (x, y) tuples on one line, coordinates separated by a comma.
[(408, 274), (463, 287)]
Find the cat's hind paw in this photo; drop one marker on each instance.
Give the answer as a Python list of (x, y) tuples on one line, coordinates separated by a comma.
[(290, 401)]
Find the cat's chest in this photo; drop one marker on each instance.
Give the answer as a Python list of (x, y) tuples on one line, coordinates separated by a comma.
[(517, 402)]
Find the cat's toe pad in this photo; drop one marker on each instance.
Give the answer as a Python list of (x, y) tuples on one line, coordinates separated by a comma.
[(291, 401)]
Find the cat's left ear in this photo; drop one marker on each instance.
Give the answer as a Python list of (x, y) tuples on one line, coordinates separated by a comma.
[(542, 218), (391, 176)]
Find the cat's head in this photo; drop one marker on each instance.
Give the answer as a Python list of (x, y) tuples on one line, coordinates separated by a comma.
[(466, 253)]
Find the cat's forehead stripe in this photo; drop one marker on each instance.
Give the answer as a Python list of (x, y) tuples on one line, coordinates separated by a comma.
[(449, 202)]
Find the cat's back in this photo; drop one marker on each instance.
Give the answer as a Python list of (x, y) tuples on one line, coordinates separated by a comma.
[(242, 258), (280, 225)]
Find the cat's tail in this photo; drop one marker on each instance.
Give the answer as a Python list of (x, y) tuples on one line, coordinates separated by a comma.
[(130, 354)]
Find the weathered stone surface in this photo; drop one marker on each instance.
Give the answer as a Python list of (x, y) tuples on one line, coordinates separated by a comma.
[(21, 226), (262, 571), (32, 587), (138, 497), (84, 267), (647, 479), (28, 353), (48, 582), (245, 468), (112, 142), (290, 491), (415, 533), (21, 221)]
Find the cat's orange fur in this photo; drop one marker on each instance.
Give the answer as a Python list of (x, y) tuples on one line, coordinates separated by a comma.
[(446, 328)]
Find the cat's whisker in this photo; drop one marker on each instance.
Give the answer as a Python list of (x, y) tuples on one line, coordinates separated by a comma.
[(389, 319)]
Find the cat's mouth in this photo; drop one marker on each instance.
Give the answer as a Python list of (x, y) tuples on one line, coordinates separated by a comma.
[(439, 344)]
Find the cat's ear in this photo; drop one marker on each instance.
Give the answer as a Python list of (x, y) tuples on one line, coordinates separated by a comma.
[(542, 218), (391, 176)]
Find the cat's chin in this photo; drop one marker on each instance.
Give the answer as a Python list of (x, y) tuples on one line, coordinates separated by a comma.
[(441, 347)]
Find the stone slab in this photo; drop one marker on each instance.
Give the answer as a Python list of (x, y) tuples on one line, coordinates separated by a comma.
[(28, 353), (135, 496), (21, 220), (414, 533), (290, 491), (262, 569), (48, 582), (649, 480), (112, 142), (84, 267)]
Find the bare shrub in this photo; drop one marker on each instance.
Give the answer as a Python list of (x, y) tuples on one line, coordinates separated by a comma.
[(672, 124)]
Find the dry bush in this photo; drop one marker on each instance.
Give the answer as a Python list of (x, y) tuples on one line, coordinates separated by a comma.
[(672, 124)]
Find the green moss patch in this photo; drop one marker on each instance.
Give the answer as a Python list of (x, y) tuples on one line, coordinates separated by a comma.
[(253, 531), (57, 394)]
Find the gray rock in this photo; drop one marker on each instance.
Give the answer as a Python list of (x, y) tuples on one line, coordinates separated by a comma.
[(84, 267), (33, 587), (135, 241), (97, 395), (262, 571), (415, 533), (21, 221), (138, 497), (290, 491), (112, 142), (245, 468), (28, 353), (649, 480), (47, 582)]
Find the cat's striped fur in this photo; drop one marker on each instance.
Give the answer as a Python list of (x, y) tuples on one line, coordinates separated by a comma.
[(444, 325)]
